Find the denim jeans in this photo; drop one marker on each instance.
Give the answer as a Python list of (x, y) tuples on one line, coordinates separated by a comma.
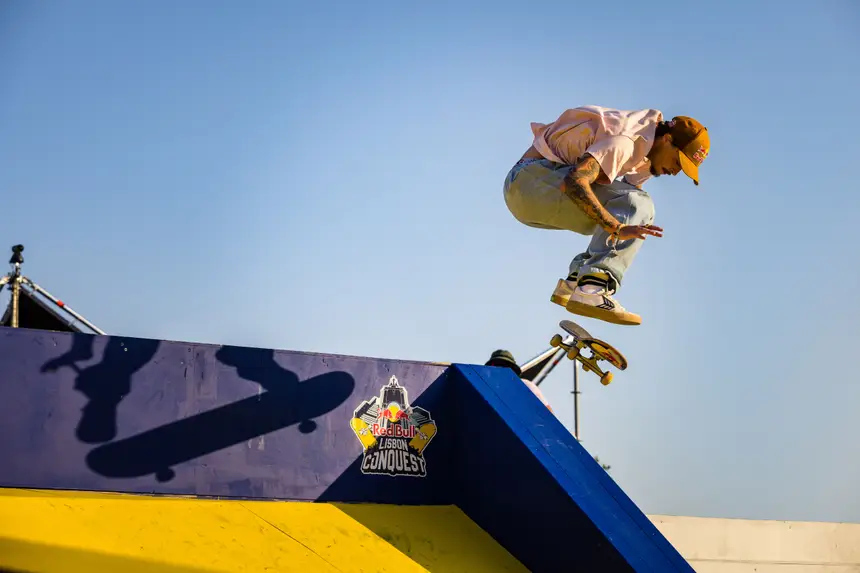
[(533, 194)]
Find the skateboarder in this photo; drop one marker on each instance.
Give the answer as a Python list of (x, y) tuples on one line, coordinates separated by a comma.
[(584, 173)]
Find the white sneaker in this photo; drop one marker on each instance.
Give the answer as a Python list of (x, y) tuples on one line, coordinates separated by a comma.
[(562, 292), (596, 302)]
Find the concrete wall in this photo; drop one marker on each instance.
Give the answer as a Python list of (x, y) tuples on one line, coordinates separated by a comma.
[(714, 545)]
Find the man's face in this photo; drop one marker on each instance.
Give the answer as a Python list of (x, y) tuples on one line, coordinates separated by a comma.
[(664, 157)]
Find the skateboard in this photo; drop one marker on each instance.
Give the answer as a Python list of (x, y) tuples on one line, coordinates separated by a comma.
[(599, 350)]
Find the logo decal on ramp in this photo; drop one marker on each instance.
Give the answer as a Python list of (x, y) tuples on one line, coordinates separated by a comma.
[(393, 433)]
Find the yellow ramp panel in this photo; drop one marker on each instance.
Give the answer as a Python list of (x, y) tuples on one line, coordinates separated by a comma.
[(50, 531)]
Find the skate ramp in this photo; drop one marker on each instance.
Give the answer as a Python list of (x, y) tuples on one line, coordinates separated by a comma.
[(255, 426), (67, 531)]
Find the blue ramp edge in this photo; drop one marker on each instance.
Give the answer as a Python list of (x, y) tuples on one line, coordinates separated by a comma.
[(525, 479)]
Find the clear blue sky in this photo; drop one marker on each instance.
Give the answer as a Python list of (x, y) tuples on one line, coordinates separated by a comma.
[(327, 177)]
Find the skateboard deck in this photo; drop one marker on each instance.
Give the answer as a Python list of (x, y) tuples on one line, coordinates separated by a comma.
[(598, 349)]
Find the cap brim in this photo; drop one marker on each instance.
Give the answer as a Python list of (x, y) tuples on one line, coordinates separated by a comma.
[(690, 168)]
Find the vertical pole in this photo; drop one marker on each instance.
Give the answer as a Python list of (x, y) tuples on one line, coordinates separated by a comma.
[(575, 402), (15, 278), (16, 294)]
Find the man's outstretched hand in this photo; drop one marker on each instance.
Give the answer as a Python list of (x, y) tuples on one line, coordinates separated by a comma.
[(639, 232)]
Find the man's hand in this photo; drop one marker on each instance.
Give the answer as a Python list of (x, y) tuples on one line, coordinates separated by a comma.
[(638, 232), (577, 186)]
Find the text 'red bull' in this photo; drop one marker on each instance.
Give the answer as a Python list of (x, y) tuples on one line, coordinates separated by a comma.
[(395, 431)]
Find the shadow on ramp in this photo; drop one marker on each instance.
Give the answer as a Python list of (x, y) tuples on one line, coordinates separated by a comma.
[(286, 402), (104, 384)]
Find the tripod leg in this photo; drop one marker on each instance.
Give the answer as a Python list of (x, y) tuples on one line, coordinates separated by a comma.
[(60, 304)]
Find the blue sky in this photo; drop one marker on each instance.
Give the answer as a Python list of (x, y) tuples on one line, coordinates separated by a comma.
[(327, 177)]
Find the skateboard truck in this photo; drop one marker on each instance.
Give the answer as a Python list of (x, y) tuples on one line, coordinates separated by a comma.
[(599, 350)]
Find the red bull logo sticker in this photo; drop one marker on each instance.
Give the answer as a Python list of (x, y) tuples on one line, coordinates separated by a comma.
[(392, 433)]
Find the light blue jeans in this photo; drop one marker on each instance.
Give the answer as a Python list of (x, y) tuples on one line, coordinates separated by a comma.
[(534, 197)]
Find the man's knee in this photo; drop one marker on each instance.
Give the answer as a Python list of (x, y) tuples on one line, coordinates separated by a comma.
[(640, 208)]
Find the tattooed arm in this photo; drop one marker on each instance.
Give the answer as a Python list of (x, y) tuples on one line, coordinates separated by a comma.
[(577, 186)]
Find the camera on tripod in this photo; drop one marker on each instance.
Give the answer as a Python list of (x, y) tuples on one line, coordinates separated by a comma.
[(17, 257)]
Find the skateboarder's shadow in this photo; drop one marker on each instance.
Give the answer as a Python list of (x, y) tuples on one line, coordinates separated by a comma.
[(105, 383), (286, 401), (281, 385)]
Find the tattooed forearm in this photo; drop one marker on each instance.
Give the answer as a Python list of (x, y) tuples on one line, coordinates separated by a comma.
[(577, 186)]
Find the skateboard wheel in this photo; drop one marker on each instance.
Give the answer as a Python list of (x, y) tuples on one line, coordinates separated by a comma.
[(606, 379), (555, 342), (573, 353), (307, 426), (164, 475)]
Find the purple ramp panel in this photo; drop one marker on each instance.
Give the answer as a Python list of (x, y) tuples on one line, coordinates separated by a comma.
[(138, 415)]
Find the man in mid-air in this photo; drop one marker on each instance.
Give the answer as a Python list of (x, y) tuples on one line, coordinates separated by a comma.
[(584, 173)]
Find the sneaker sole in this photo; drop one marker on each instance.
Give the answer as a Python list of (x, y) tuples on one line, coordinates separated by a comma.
[(560, 300), (562, 293), (581, 309)]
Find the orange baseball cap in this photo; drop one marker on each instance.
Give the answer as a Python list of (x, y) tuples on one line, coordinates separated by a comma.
[(692, 139)]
